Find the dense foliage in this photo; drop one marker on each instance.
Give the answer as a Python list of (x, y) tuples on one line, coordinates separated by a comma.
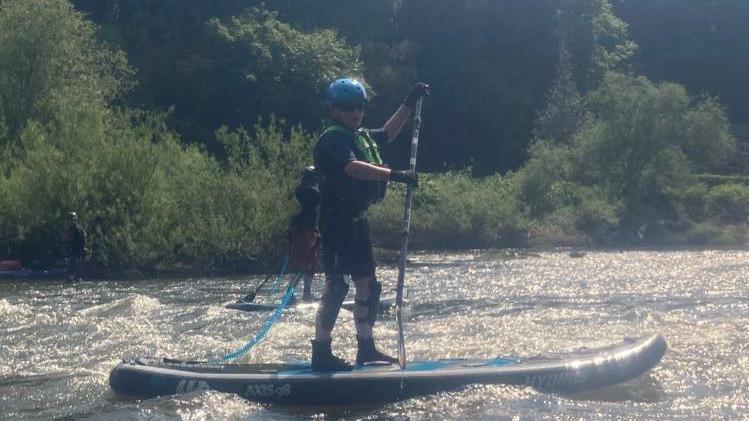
[(146, 199), (628, 170), (453, 210), (177, 128), (484, 59)]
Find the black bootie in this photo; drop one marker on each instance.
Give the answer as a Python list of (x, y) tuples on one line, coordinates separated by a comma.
[(324, 360), (368, 353)]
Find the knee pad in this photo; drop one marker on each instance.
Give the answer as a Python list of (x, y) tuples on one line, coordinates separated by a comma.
[(333, 295), (372, 303)]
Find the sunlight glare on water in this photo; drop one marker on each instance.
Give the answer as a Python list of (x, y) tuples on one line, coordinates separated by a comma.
[(59, 341)]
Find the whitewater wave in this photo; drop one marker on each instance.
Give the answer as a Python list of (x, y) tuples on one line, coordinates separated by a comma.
[(8, 309), (130, 306)]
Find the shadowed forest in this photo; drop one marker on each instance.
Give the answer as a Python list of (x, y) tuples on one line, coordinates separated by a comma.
[(177, 128)]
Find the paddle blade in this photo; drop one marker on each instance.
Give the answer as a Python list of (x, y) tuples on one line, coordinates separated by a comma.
[(401, 342)]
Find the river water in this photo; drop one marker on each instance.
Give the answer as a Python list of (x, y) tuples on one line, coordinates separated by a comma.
[(59, 341)]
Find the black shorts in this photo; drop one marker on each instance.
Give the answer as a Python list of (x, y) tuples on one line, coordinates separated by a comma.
[(347, 249)]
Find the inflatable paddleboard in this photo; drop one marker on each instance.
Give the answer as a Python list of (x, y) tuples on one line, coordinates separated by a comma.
[(386, 303), (297, 384)]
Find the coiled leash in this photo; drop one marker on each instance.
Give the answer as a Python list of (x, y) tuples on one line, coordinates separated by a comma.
[(263, 332), (277, 282)]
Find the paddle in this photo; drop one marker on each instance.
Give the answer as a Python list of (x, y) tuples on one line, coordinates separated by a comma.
[(251, 296), (404, 241)]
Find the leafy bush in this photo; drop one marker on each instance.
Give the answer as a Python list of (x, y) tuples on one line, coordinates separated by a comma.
[(147, 201), (707, 140), (584, 216), (633, 150), (454, 210), (597, 217), (728, 203), (708, 233), (630, 164), (693, 200), (548, 166), (712, 180)]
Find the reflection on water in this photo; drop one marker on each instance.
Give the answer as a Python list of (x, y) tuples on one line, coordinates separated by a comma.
[(644, 389), (58, 341)]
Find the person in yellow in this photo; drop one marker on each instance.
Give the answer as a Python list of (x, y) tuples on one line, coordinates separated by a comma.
[(352, 177)]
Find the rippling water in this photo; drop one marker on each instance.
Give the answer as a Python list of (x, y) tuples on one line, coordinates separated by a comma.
[(58, 341)]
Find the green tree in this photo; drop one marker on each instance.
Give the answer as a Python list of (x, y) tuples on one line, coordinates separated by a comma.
[(639, 145), (225, 62), (374, 26), (707, 139), (631, 163), (565, 111), (596, 39), (146, 200), (261, 66), (51, 62)]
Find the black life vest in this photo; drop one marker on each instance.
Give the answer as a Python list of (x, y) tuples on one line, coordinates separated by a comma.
[(365, 192)]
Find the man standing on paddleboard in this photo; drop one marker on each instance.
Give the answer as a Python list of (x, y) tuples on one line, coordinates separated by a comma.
[(352, 177), (75, 237)]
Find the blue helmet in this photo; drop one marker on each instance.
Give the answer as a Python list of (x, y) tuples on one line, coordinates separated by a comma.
[(346, 91)]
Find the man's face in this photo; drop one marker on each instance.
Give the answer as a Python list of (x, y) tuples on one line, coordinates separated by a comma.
[(351, 115)]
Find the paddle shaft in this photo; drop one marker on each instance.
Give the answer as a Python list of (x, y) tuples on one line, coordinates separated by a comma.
[(404, 241), (251, 296)]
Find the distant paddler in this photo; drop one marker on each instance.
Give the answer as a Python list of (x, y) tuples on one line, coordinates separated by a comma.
[(75, 237)]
